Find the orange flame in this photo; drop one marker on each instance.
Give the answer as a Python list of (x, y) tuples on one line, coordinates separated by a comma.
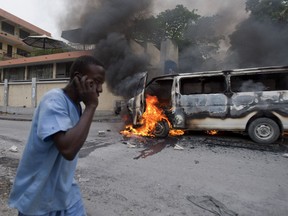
[(150, 117), (212, 132)]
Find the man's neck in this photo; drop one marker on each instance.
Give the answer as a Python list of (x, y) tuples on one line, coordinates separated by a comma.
[(71, 93)]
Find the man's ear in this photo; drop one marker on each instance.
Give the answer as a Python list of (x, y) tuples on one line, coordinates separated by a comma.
[(77, 74)]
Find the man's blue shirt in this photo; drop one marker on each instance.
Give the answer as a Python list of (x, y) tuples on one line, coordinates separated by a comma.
[(44, 180)]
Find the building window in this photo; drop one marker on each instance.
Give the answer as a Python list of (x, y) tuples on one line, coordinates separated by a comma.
[(62, 70), (23, 34), (6, 27), (1, 46), (22, 52), (9, 51), (17, 73), (40, 71)]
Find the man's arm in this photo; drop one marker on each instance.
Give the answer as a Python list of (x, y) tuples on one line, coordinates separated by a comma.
[(70, 142)]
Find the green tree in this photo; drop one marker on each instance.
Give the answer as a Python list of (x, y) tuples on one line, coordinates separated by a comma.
[(196, 37), (170, 24), (276, 10), (175, 22)]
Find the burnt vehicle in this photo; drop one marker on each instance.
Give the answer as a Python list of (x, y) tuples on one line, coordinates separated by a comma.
[(252, 101)]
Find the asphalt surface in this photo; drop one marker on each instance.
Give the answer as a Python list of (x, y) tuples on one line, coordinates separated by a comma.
[(195, 174)]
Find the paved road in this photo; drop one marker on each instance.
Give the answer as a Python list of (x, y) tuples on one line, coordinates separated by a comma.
[(139, 176)]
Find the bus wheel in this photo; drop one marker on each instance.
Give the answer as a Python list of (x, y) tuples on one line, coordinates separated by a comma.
[(161, 129), (264, 130)]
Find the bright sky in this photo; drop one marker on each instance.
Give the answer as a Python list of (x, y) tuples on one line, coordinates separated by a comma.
[(46, 14)]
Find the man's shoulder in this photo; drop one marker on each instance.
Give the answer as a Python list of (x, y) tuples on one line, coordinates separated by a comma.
[(54, 95), (55, 91)]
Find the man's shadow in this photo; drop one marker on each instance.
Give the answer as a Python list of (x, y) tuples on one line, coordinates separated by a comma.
[(156, 146)]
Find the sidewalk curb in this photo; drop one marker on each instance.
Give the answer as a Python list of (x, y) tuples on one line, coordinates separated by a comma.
[(16, 117)]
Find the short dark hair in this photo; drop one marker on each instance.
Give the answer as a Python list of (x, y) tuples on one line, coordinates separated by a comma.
[(81, 63)]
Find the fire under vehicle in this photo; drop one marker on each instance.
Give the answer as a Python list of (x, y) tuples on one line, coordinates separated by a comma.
[(252, 101)]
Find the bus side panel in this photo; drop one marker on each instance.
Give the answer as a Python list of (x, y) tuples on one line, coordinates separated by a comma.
[(204, 105), (265, 102), (229, 124)]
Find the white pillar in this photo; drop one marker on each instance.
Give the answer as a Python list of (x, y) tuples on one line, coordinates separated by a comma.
[(26, 73), (33, 93), (6, 88), (54, 70)]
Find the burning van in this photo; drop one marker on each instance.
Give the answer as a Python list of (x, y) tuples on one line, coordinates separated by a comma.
[(252, 101)]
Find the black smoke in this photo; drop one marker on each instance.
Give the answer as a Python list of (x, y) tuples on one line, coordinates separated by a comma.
[(234, 38), (204, 36), (123, 65), (231, 38), (209, 38), (111, 16), (106, 23), (258, 43)]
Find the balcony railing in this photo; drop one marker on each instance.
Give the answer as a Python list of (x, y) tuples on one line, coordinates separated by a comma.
[(8, 56), (39, 52)]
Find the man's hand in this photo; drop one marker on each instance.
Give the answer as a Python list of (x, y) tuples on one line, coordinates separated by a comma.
[(87, 90), (70, 142)]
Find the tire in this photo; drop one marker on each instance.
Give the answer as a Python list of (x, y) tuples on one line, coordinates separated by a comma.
[(161, 129), (263, 130)]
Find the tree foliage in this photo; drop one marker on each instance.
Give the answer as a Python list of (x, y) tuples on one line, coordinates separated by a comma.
[(170, 24), (197, 37), (175, 22), (276, 10)]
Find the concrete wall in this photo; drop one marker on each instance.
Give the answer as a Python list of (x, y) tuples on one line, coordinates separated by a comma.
[(169, 57), (43, 87), (19, 95), (1, 95), (154, 55), (22, 97), (107, 100)]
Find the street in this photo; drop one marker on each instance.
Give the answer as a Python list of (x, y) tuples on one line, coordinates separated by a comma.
[(195, 174)]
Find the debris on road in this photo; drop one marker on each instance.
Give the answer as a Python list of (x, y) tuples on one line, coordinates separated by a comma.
[(178, 147), (129, 145), (83, 180), (211, 205), (13, 149), (101, 133)]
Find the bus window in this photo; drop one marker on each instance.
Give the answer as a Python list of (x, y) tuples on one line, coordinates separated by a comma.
[(259, 82), (161, 89), (203, 85)]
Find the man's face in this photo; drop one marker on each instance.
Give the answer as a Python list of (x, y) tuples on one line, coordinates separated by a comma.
[(96, 74)]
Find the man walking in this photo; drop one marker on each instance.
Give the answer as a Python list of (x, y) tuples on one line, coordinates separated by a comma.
[(44, 183)]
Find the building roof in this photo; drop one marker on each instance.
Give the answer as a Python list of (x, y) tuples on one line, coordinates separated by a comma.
[(16, 20), (44, 59)]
